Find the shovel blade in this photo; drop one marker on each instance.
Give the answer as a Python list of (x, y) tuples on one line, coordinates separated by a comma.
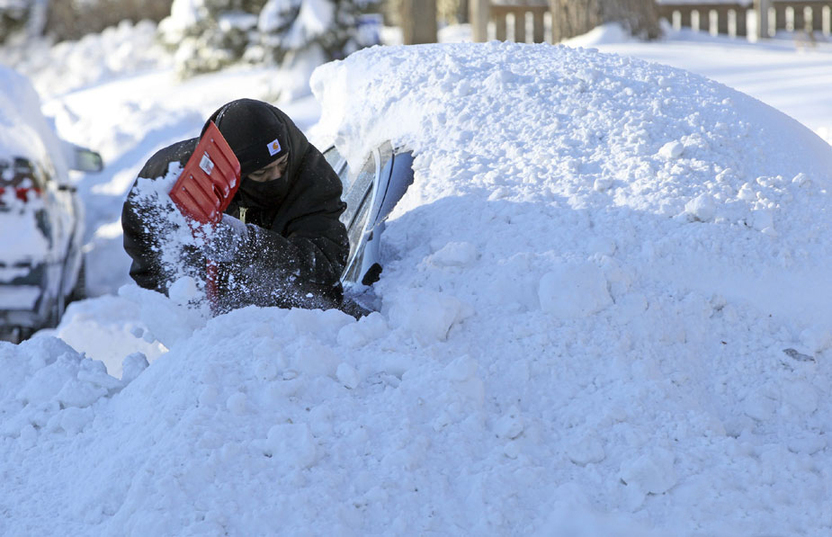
[(209, 180)]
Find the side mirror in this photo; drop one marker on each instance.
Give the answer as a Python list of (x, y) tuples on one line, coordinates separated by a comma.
[(86, 160)]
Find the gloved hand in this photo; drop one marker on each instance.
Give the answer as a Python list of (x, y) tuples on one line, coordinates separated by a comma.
[(224, 241)]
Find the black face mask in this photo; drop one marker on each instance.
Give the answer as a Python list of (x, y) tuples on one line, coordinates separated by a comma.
[(263, 195)]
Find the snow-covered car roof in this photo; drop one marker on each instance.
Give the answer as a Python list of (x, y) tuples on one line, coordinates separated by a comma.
[(596, 140), (563, 118), (24, 131)]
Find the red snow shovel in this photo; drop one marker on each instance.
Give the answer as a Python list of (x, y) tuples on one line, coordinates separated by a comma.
[(209, 180), (205, 188)]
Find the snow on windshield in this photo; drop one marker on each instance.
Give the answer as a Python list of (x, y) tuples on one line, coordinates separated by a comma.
[(601, 296)]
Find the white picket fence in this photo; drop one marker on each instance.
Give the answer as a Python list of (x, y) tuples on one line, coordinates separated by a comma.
[(531, 21)]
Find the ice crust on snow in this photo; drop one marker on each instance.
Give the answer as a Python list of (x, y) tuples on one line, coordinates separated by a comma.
[(479, 399)]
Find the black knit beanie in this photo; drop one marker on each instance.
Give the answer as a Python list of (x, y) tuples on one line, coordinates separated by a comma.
[(255, 131)]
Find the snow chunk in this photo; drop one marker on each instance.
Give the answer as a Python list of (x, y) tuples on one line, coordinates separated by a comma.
[(73, 420), (651, 473), (367, 329), (132, 366), (574, 290), (314, 359), (454, 254), (602, 184), (587, 450), (292, 445), (462, 372), (701, 208), (236, 403), (510, 425), (672, 150), (816, 338), (183, 290), (461, 369), (348, 375), (427, 314)]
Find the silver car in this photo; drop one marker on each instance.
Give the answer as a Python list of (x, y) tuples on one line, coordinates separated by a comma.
[(41, 215)]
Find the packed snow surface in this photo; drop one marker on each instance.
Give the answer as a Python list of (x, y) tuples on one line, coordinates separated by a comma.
[(605, 312)]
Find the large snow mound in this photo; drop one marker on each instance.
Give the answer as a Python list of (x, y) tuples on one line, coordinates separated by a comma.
[(603, 295), (708, 188)]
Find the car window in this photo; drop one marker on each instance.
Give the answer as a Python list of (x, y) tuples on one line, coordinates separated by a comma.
[(385, 153), (358, 198), (400, 172), (20, 173), (366, 208)]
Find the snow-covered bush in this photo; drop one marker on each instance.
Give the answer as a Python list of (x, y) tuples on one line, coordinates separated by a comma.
[(64, 20), (68, 65), (73, 19), (21, 17), (12, 17), (208, 35)]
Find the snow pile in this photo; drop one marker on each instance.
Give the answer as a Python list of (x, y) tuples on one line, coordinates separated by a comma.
[(603, 314), (597, 142), (95, 58)]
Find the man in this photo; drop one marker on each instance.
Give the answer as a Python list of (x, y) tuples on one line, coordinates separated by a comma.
[(280, 242)]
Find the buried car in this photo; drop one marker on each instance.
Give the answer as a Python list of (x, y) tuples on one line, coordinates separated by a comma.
[(41, 215)]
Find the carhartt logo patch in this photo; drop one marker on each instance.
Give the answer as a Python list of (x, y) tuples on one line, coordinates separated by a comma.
[(274, 147)]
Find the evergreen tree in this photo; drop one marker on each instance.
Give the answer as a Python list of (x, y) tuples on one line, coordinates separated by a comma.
[(211, 34), (22, 18)]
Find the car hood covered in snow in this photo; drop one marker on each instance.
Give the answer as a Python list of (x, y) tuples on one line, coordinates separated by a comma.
[(603, 294)]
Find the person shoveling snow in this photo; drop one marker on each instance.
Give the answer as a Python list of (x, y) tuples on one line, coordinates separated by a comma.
[(280, 241)]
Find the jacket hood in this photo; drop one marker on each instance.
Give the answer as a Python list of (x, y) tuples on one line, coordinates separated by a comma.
[(259, 134)]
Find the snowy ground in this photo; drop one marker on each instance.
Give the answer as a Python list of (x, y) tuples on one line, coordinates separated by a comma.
[(605, 311)]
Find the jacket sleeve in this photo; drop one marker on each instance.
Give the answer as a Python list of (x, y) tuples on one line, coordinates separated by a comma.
[(144, 224), (305, 251), (142, 246)]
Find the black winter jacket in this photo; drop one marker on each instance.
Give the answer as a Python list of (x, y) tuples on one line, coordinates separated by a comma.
[(296, 247)]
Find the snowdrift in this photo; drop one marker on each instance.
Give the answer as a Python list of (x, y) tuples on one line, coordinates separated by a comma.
[(605, 312)]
